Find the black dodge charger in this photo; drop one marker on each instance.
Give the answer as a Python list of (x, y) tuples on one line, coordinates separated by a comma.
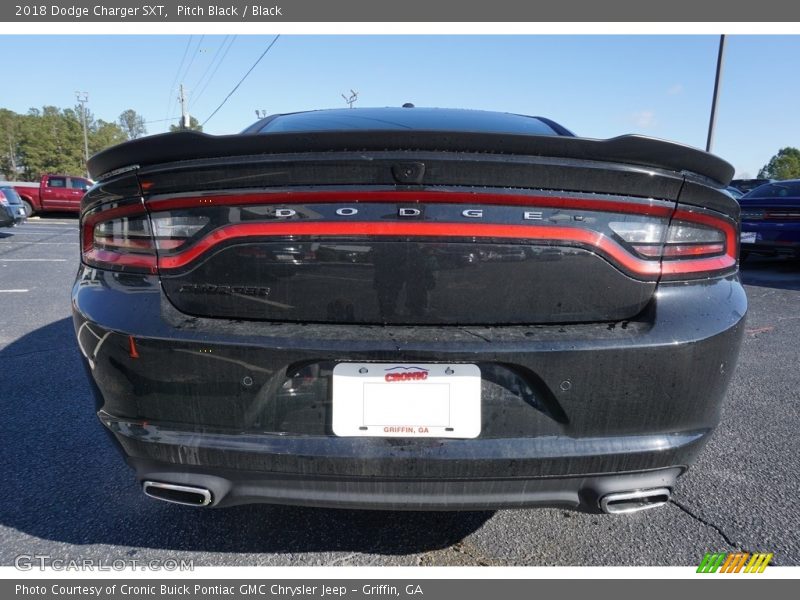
[(408, 308)]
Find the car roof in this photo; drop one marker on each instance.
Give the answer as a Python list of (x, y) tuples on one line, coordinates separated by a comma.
[(408, 118), (781, 182)]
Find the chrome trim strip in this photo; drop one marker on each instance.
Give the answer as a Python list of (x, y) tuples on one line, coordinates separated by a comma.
[(146, 485)]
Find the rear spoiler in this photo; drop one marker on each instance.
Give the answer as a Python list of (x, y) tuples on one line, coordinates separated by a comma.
[(628, 149)]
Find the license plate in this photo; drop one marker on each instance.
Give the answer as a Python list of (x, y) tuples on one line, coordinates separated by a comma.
[(406, 400), (749, 237)]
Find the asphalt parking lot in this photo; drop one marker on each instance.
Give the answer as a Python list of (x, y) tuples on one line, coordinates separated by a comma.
[(67, 493)]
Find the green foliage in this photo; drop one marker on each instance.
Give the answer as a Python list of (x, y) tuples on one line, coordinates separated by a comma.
[(9, 137), (784, 165), (194, 125), (103, 135), (50, 140), (132, 124)]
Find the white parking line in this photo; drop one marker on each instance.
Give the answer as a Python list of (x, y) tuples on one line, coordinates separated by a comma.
[(45, 229), (33, 260), (54, 232), (13, 291)]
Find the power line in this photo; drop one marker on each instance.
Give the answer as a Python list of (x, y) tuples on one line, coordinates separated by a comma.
[(186, 71), (211, 63), (194, 56), (177, 73), (158, 121), (194, 99), (236, 87)]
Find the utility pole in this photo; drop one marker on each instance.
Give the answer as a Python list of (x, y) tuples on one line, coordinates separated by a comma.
[(712, 121), (83, 98), (185, 119), (352, 99)]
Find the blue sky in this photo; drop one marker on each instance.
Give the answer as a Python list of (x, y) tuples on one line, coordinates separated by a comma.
[(598, 86)]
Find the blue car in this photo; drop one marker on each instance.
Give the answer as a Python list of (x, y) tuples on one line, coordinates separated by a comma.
[(771, 219)]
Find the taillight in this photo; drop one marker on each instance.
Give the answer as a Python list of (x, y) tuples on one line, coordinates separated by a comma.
[(782, 214), (682, 239), (693, 243), (125, 238), (119, 238), (646, 239), (172, 232)]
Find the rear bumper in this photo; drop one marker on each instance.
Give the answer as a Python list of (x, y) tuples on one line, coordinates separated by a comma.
[(230, 487), (773, 238), (608, 407), (7, 217)]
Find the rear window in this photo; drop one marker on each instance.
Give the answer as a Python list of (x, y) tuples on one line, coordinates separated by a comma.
[(424, 119), (81, 184), (776, 190), (11, 195)]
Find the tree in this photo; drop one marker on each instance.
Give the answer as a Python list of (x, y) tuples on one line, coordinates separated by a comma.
[(194, 125), (103, 134), (9, 144), (132, 124), (50, 140), (784, 165)]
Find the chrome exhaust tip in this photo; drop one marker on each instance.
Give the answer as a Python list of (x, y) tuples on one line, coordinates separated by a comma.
[(177, 494), (630, 502)]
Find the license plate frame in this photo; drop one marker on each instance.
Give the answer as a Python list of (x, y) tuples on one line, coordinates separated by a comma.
[(749, 237), (427, 400)]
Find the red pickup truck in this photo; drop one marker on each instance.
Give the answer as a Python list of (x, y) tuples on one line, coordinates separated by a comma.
[(53, 193)]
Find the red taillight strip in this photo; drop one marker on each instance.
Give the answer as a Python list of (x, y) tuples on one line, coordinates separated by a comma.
[(690, 250), (97, 255), (92, 219), (131, 243), (106, 258), (544, 233), (701, 265), (781, 214), (449, 230), (400, 197)]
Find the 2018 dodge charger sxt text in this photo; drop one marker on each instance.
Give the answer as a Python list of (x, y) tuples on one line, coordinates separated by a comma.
[(409, 308)]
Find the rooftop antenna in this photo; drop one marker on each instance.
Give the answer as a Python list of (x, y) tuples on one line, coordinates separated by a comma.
[(352, 99)]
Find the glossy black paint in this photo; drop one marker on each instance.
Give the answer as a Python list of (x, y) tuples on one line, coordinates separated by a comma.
[(634, 150), (442, 170), (406, 282), (560, 401), (593, 381)]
